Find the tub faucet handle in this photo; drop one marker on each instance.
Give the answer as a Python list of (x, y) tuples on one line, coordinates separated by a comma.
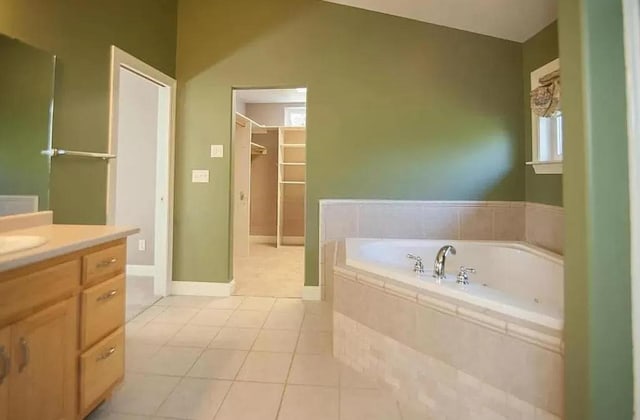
[(418, 267), (463, 274)]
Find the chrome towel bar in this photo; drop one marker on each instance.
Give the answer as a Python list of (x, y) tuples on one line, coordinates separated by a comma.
[(60, 152)]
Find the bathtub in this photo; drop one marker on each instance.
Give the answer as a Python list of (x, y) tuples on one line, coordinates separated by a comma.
[(512, 278), (491, 349)]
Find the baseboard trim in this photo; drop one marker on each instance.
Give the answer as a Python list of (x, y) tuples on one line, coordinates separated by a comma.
[(141, 270), (261, 239), (286, 240), (293, 240), (196, 288), (312, 293)]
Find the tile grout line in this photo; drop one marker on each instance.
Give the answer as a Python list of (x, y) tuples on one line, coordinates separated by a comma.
[(293, 355)]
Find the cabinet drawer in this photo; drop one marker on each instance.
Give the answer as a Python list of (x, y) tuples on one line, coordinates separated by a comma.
[(101, 367), (103, 310), (103, 264), (26, 291)]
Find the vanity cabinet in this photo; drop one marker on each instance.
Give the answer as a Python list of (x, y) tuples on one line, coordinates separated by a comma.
[(41, 382), (62, 334), (5, 368)]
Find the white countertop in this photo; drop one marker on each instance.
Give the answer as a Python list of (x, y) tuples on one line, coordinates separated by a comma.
[(61, 240)]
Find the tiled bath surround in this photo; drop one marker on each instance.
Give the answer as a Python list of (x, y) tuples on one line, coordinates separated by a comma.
[(539, 224), (453, 360)]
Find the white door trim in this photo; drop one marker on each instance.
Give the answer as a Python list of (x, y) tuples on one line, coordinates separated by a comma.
[(163, 254), (632, 54)]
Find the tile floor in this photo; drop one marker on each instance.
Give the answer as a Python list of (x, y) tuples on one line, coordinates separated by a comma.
[(270, 271), (241, 358), (139, 295)]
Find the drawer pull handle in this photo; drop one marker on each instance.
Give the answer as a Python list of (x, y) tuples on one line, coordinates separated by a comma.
[(107, 354), (106, 263), (5, 364), (24, 349), (107, 295)]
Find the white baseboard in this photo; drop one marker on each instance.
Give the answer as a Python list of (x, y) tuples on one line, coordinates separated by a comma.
[(286, 240), (260, 239), (293, 240), (312, 293), (141, 270), (196, 288)]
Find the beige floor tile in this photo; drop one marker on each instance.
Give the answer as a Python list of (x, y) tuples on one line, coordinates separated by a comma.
[(155, 332), (270, 271), (367, 404), (176, 315), (172, 361), (142, 394), (247, 319), (311, 342), (230, 302), (288, 319), (211, 317), (194, 336), (350, 378), (265, 367), (276, 340), (185, 301), (195, 398), (309, 403), (288, 304), (408, 412), (218, 364), (318, 322), (252, 303), (132, 326), (251, 401), (137, 352), (115, 416), (235, 338), (314, 369), (148, 314)]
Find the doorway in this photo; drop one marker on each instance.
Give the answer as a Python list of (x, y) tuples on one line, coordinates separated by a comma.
[(269, 191), (632, 56), (140, 178)]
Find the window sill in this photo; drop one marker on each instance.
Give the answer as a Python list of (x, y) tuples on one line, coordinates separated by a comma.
[(545, 168)]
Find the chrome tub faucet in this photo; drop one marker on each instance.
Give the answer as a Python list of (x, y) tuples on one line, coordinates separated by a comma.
[(441, 258)]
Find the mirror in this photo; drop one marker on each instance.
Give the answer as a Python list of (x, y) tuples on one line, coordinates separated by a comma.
[(26, 111)]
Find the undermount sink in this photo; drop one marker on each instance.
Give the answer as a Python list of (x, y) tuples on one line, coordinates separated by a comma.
[(15, 243)]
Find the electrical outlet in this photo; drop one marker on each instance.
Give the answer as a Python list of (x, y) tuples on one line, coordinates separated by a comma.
[(142, 245), (200, 176), (217, 151)]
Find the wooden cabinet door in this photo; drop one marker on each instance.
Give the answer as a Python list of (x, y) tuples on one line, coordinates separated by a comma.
[(43, 372), (5, 367)]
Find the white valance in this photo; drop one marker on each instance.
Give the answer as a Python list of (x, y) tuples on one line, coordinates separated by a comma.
[(545, 99)]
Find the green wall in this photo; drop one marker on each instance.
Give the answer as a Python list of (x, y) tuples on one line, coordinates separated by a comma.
[(397, 109), (80, 34), (536, 52), (598, 355), (26, 93)]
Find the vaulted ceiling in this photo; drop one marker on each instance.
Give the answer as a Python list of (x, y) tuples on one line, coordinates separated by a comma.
[(515, 20)]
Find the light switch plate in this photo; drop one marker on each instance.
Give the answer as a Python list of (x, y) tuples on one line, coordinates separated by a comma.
[(200, 176), (217, 151)]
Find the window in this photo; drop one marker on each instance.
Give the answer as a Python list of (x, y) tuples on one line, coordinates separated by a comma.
[(546, 133), (550, 139), (295, 116)]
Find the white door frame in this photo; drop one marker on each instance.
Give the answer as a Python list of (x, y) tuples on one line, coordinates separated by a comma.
[(632, 57), (163, 254)]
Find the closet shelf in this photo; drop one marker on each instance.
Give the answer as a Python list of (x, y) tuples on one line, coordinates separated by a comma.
[(294, 145), (293, 163), (258, 149), (293, 182)]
